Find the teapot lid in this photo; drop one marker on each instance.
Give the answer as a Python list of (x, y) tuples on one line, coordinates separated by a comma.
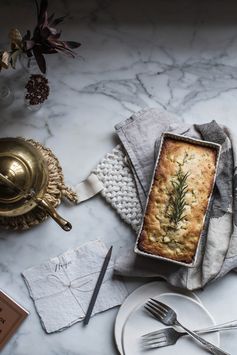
[(24, 166)]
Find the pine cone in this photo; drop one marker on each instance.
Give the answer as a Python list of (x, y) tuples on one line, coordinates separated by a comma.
[(37, 89)]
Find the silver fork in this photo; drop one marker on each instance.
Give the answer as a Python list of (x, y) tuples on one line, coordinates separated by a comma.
[(167, 316), (169, 336)]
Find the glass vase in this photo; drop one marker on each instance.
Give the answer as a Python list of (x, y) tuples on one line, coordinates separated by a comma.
[(6, 95), (30, 67)]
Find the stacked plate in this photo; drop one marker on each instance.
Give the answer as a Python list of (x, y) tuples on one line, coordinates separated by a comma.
[(133, 320)]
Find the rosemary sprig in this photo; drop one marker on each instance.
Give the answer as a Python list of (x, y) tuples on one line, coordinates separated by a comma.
[(177, 200)]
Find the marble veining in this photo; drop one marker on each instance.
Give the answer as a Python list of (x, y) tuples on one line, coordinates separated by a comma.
[(179, 55)]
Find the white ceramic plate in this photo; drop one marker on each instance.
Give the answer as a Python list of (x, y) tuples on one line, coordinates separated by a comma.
[(190, 312), (138, 297)]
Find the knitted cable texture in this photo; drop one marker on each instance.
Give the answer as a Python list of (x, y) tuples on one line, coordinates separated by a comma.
[(119, 186)]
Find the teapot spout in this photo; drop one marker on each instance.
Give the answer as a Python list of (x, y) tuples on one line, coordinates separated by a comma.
[(44, 204)]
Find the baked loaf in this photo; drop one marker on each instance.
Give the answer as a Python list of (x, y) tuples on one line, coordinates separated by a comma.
[(178, 200)]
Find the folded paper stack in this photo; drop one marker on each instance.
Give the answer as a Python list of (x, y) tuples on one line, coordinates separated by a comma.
[(61, 288)]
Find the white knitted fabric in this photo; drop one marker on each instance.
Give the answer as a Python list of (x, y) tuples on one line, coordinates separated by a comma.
[(119, 186)]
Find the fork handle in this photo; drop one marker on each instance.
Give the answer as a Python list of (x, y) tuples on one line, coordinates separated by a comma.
[(209, 346), (213, 330), (223, 326)]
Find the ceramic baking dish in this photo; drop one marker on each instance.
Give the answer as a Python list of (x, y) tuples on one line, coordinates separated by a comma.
[(200, 244)]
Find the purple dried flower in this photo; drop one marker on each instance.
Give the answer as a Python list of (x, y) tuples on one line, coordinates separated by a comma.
[(46, 38)]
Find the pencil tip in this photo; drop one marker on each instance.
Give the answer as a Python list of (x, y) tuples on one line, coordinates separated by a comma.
[(85, 321)]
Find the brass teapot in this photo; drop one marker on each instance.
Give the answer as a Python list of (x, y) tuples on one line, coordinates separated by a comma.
[(24, 180)]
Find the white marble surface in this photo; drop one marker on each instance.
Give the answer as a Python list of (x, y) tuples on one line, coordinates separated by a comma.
[(181, 55)]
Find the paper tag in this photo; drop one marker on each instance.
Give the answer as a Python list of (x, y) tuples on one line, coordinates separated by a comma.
[(11, 316), (88, 188)]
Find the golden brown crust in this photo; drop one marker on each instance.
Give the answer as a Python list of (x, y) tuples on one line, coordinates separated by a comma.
[(178, 200)]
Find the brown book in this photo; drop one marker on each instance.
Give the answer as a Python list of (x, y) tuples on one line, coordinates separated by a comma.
[(11, 316)]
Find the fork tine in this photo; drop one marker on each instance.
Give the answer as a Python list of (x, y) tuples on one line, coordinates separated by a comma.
[(150, 310), (161, 305), (147, 337), (156, 333), (156, 312), (157, 307), (155, 344), (152, 346), (165, 307), (149, 340)]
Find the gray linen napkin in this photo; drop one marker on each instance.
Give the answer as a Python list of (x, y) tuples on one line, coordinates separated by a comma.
[(140, 136)]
